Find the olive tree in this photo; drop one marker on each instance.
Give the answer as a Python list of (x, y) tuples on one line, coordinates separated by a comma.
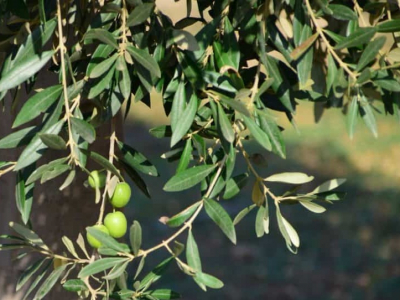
[(221, 85)]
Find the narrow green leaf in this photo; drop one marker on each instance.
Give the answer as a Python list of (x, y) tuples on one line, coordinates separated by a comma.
[(260, 222), (140, 267), (117, 271), (331, 75), (100, 265), (192, 253), (57, 171), (287, 231), (190, 68), (181, 217), (313, 207), (104, 66), (103, 162), (222, 58), (125, 82), (234, 185), (359, 37), (28, 273), (290, 177), (38, 173), (389, 26), (231, 46), (209, 280), (178, 106), (24, 70), (75, 285), (370, 52), (28, 235), (37, 104), (155, 274), (218, 214), (23, 197), (38, 279), (185, 157), (220, 82), (329, 185), (50, 282), (106, 240), (352, 114), (260, 136), (305, 62), (140, 14), (137, 160), (188, 178), (332, 196), (143, 58), (102, 51), (164, 294), (137, 180), (225, 125), (234, 104), (367, 114), (161, 131), (243, 213), (135, 236), (388, 84), (70, 246), (53, 141), (42, 11), (84, 129), (365, 76), (11, 246), (342, 12), (304, 46), (81, 243), (101, 85), (269, 126), (294, 237), (36, 40), (102, 35), (36, 147), (185, 121), (18, 138)]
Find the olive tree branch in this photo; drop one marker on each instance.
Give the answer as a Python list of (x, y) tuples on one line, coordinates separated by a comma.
[(255, 173), (68, 111), (111, 160), (359, 12), (188, 224), (123, 25), (327, 44), (9, 169)]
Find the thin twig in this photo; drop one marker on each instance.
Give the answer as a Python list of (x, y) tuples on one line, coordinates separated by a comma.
[(111, 160), (68, 112), (188, 224), (327, 44)]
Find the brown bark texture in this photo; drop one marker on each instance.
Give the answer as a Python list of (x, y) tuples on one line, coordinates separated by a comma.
[(54, 213)]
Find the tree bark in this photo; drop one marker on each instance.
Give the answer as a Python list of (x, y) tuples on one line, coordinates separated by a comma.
[(54, 213)]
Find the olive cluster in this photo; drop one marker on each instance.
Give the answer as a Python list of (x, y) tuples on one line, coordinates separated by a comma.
[(115, 223)]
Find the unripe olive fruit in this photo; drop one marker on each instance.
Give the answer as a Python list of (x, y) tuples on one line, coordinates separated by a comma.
[(94, 242), (97, 179), (116, 224), (121, 196)]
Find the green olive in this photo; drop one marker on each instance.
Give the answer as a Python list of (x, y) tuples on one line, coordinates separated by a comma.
[(116, 224), (94, 242), (97, 179), (121, 196)]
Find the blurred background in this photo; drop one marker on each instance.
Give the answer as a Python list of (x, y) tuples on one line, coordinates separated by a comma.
[(352, 251)]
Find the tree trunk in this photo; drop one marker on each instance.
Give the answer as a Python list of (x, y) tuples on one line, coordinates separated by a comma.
[(54, 213)]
